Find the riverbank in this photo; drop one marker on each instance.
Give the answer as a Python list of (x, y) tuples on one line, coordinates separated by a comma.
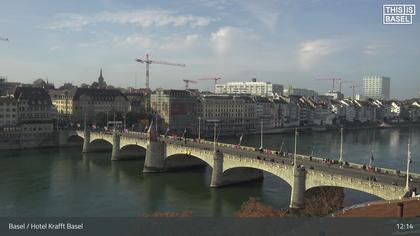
[(317, 129)]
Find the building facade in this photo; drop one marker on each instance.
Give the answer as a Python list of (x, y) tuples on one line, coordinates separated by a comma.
[(377, 87), (265, 89), (77, 103), (177, 109), (36, 115), (234, 114), (8, 111)]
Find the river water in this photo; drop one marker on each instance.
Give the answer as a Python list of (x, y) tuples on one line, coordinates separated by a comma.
[(64, 182)]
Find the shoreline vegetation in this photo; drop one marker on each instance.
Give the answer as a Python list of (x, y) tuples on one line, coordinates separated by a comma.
[(319, 202)]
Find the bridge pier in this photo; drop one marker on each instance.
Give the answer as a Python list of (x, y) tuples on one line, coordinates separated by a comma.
[(115, 146), (86, 141), (155, 157), (63, 138), (217, 172), (298, 188)]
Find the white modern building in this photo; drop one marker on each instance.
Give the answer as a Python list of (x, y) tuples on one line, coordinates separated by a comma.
[(376, 87), (265, 89)]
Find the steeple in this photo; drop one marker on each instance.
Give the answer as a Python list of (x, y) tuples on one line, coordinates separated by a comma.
[(101, 78), (101, 81)]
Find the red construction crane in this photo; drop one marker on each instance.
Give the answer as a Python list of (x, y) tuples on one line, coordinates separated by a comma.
[(147, 61), (187, 82), (214, 78), (333, 80)]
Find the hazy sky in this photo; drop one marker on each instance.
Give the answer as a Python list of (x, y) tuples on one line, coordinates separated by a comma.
[(290, 42)]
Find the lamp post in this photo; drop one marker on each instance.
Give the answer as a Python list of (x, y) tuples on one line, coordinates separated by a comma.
[(341, 146), (84, 125), (407, 179), (107, 121), (294, 155), (125, 121), (214, 138), (115, 124), (199, 128), (262, 133)]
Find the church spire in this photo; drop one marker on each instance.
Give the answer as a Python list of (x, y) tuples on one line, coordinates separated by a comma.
[(101, 80)]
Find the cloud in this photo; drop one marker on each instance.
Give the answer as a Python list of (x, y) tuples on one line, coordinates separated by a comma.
[(135, 40), (143, 18), (177, 43), (312, 52), (266, 12), (373, 49), (56, 48), (151, 17), (227, 37), (68, 21)]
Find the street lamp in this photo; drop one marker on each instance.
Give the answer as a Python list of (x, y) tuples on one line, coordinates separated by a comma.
[(214, 138), (341, 146), (199, 128), (294, 155), (262, 133), (408, 166)]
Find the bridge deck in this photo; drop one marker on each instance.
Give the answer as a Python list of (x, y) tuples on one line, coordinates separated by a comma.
[(387, 177)]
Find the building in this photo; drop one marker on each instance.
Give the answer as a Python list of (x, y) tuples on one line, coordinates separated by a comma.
[(36, 115), (139, 100), (300, 92), (7, 88), (177, 109), (78, 103), (265, 89), (63, 102), (9, 131), (8, 111), (235, 114), (376, 87), (335, 95)]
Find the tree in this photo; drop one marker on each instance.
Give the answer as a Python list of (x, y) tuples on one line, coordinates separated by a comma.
[(254, 208), (321, 201)]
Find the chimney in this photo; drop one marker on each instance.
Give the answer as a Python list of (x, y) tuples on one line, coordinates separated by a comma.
[(400, 209)]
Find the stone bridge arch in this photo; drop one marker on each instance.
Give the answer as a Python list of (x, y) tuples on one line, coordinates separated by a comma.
[(319, 179), (189, 153), (282, 171)]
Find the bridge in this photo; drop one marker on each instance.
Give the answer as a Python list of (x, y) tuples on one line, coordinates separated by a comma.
[(232, 164)]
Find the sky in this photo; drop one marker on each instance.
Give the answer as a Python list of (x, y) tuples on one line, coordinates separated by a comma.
[(290, 42)]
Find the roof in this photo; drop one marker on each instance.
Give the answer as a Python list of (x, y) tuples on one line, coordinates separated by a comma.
[(32, 94), (98, 94)]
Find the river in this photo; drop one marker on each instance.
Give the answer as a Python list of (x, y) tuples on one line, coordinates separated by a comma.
[(65, 182)]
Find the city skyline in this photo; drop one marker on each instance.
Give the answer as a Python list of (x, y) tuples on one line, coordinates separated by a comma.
[(287, 42)]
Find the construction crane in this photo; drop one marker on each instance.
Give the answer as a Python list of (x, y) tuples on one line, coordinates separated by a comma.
[(333, 80), (187, 82), (147, 61), (4, 39), (214, 78), (353, 86)]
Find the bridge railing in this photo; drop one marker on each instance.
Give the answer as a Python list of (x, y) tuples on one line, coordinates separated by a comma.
[(273, 152)]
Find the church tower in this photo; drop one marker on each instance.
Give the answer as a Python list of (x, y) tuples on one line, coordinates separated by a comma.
[(101, 81)]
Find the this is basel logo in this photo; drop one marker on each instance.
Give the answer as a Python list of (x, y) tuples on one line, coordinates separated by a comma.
[(398, 14)]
